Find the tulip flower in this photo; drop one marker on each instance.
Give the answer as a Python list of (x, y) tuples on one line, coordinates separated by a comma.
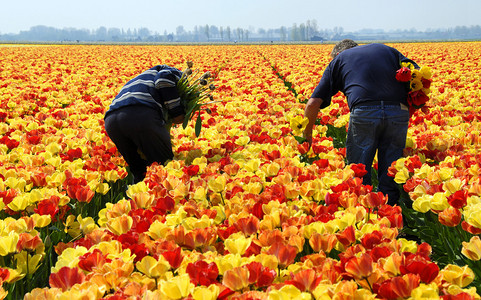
[(284, 253), (202, 273), (237, 244), (460, 276), (360, 267), (176, 288), (153, 268), (472, 249), (298, 124), (66, 277), (236, 279)]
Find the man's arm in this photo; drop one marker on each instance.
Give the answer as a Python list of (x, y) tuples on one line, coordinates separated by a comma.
[(310, 112)]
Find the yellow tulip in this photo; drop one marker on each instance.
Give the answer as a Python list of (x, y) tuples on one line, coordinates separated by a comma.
[(8, 244), (26, 263), (217, 185), (461, 276), (177, 288), (242, 141), (111, 175), (254, 187), (422, 204), (41, 220), (143, 199), (152, 267), (252, 165), (472, 214), (425, 291), (158, 230), (102, 188), (86, 225), (298, 124), (402, 176), (137, 188), (206, 293), (20, 203), (288, 292), (453, 185), (472, 249), (408, 246), (237, 244), (439, 202), (227, 262), (69, 258), (120, 225)]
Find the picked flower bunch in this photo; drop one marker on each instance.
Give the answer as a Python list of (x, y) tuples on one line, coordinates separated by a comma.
[(194, 94), (419, 83)]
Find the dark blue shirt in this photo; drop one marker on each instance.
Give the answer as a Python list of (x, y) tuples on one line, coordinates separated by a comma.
[(364, 73), (155, 87)]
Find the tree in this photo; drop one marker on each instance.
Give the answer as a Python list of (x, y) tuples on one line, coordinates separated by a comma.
[(207, 32), (283, 33), (228, 33)]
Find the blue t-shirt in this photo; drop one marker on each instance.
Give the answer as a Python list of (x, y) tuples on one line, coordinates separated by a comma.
[(364, 73)]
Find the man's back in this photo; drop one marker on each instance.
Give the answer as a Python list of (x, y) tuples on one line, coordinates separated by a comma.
[(366, 73)]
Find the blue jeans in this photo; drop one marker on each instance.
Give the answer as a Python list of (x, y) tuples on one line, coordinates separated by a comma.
[(382, 128)]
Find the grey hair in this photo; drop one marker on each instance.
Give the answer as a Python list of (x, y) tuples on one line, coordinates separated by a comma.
[(343, 45)]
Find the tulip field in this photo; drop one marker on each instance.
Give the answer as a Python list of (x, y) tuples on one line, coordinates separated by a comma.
[(244, 210)]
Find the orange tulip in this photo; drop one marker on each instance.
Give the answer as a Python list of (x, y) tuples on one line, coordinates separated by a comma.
[(248, 225), (236, 279), (323, 242), (66, 277), (285, 253), (450, 217), (306, 280), (360, 267)]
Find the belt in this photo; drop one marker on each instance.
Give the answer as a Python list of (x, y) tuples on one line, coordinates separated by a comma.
[(380, 103)]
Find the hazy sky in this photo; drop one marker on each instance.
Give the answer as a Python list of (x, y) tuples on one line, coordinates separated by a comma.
[(166, 15)]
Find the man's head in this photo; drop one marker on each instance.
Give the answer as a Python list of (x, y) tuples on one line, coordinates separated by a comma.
[(341, 46)]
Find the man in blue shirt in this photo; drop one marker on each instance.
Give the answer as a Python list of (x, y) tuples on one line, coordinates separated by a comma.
[(135, 122), (379, 116)]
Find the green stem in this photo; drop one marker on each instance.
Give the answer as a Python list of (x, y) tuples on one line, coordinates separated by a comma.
[(368, 283)]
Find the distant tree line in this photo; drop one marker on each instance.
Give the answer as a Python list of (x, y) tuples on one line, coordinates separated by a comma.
[(308, 31)]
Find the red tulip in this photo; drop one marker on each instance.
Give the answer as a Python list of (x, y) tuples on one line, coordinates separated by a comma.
[(174, 257), (92, 260), (202, 273), (458, 199), (399, 287), (347, 236), (417, 264), (259, 275)]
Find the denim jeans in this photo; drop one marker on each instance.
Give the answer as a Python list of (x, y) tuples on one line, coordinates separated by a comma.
[(382, 128)]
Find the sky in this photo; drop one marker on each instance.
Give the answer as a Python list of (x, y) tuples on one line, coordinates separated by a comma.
[(165, 16)]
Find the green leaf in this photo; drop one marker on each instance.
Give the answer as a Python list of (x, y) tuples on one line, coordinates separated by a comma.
[(300, 139), (198, 125)]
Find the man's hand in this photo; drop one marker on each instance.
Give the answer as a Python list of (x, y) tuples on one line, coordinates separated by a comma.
[(178, 119), (308, 139)]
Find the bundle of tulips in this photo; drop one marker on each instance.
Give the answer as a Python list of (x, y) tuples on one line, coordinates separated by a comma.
[(193, 93)]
